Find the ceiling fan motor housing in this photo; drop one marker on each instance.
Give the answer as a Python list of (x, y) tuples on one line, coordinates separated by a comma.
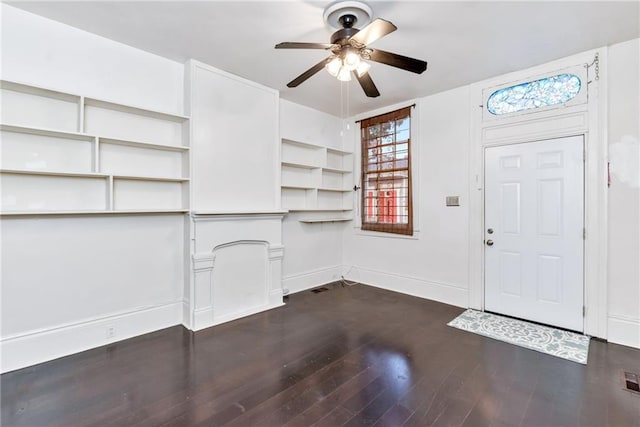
[(342, 36)]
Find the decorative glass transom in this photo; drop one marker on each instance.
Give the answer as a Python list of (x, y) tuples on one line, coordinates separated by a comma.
[(545, 92)]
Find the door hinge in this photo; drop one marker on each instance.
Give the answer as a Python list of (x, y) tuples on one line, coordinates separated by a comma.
[(584, 311), (584, 234)]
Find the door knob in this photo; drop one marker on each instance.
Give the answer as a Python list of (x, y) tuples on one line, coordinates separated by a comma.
[(489, 242)]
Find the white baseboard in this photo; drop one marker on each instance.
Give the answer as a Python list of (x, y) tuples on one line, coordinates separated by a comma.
[(311, 279), (623, 330), (35, 347), (435, 291), (205, 319)]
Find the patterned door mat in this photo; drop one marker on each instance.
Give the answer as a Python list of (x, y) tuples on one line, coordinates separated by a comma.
[(556, 342)]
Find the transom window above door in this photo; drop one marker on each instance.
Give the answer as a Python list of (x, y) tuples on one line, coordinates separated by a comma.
[(544, 92), (537, 94)]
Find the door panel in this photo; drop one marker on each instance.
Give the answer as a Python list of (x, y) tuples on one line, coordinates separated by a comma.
[(534, 206)]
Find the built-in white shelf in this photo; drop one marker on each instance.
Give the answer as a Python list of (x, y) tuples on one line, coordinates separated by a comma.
[(298, 165), (298, 187), (53, 173), (132, 109), (335, 190), (141, 144), (120, 212), (322, 220), (241, 212), (8, 127), (149, 178), (40, 107), (315, 177), (74, 155)]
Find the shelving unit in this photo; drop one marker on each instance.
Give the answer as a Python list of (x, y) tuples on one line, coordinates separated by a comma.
[(70, 154), (316, 179)]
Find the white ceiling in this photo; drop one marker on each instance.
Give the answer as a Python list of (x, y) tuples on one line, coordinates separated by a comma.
[(463, 42)]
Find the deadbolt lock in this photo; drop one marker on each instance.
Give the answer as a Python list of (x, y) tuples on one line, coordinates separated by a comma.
[(490, 230)]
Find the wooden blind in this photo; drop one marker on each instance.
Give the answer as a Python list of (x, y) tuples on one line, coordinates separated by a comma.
[(386, 173)]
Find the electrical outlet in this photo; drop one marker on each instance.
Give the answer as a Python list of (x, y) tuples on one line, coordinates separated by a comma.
[(111, 331)]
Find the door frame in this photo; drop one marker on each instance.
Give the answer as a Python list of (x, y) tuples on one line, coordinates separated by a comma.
[(587, 119)]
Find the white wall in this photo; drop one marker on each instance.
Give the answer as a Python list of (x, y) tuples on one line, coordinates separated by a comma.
[(65, 280), (235, 142), (434, 263), (623, 78), (313, 252), (47, 53)]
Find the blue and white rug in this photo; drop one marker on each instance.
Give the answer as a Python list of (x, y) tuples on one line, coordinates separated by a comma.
[(556, 342)]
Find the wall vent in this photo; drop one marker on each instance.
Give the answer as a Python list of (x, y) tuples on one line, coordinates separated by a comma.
[(631, 381)]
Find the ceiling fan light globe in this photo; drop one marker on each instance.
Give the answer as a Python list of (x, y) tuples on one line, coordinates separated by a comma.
[(344, 75), (363, 68), (333, 66), (351, 60)]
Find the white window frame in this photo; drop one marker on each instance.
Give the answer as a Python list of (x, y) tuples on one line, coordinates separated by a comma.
[(415, 170)]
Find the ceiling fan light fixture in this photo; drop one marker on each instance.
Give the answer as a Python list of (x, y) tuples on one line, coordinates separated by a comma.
[(344, 75), (333, 66), (363, 68), (351, 59)]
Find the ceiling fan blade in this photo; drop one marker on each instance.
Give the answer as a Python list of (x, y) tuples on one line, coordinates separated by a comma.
[(302, 45), (404, 62), (366, 82), (374, 31), (310, 72)]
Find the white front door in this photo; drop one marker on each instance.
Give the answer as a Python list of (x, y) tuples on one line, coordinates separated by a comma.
[(534, 235)]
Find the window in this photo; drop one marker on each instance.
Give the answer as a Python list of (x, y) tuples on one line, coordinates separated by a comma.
[(386, 173), (545, 92)]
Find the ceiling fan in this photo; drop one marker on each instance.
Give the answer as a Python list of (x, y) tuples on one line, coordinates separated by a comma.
[(349, 48)]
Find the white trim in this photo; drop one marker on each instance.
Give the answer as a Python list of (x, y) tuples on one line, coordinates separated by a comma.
[(368, 233), (204, 318), (312, 278), (428, 289), (209, 68), (624, 330), (29, 348), (581, 119), (581, 97)]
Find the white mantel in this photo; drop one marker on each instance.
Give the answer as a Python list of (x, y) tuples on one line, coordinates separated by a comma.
[(236, 266)]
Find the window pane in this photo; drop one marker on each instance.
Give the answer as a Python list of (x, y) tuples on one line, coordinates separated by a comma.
[(388, 127), (402, 124), (403, 135), (545, 92)]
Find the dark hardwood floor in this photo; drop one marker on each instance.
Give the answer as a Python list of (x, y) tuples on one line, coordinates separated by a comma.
[(350, 356)]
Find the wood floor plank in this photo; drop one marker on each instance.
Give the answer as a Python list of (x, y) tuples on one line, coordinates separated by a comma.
[(350, 356)]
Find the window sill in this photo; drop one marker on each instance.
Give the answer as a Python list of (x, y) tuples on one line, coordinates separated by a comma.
[(366, 233)]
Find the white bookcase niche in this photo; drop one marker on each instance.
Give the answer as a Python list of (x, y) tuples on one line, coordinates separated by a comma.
[(70, 154), (316, 178)]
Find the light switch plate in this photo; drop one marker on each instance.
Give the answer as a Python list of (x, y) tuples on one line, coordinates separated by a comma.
[(453, 200)]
